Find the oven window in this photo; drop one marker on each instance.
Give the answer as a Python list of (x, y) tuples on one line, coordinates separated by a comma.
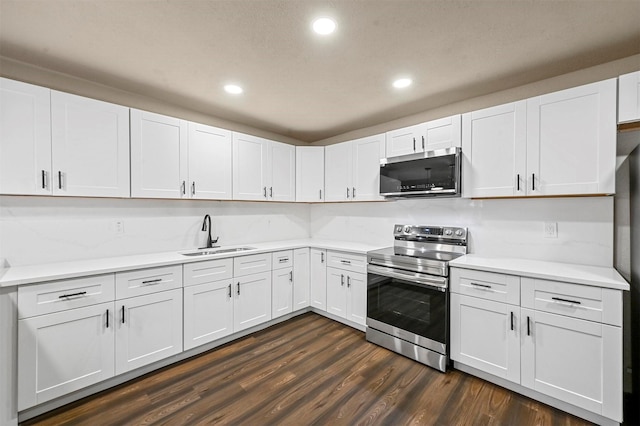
[(408, 306), (419, 175)]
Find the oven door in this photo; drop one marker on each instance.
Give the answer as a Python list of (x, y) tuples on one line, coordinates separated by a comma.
[(409, 305)]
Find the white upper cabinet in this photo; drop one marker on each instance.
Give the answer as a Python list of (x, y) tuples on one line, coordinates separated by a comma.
[(562, 143), (209, 159), (90, 146), (571, 141), (310, 173), (158, 156), (25, 138), (263, 170), (629, 97), (494, 151), (436, 134), (352, 169)]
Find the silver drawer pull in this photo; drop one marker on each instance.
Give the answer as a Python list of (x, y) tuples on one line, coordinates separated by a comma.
[(566, 300), (345, 262), (80, 293), (481, 285), (284, 259), (157, 280)]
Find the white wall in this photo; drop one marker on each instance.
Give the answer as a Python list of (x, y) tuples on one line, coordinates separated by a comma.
[(48, 229), (509, 227)]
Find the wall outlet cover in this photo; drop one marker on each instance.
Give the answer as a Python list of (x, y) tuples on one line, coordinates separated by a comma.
[(551, 229)]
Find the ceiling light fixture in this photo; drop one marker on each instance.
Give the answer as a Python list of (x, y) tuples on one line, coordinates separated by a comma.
[(401, 83), (324, 26), (233, 89)]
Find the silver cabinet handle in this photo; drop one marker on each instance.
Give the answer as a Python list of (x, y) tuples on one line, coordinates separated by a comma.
[(44, 179), (122, 314), (65, 296), (290, 276), (193, 188), (157, 280), (183, 187), (284, 259), (345, 262), (271, 191), (59, 179), (347, 192), (559, 299), (533, 181), (423, 143), (348, 281), (107, 318), (229, 291), (321, 257), (511, 320), (414, 144), (518, 182), (321, 194), (264, 191), (481, 285), (238, 287), (353, 193), (342, 280)]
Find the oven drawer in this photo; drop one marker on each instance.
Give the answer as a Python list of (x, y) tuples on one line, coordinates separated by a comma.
[(573, 300), (486, 285), (347, 261)]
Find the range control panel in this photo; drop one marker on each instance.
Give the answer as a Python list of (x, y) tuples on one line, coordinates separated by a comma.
[(424, 232)]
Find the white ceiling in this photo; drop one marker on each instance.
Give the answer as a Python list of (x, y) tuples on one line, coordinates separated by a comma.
[(306, 87)]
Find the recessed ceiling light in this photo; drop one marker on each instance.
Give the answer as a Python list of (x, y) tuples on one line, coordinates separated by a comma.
[(324, 26), (401, 83), (233, 89)]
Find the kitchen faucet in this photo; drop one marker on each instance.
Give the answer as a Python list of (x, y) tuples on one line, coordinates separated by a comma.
[(206, 226)]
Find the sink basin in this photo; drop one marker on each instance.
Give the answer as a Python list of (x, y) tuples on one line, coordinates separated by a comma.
[(205, 252)]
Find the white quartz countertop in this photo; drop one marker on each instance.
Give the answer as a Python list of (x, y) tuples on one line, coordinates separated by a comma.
[(30, 274), (579, 274)]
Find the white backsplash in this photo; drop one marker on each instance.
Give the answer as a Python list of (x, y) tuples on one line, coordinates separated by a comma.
[(507, 228), (48, 229)]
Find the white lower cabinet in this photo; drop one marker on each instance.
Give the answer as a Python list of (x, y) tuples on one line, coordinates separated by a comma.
[(562, 340), (336, 292), (347, 287), (252, 300), (208, 312), (64, 351), (301, 278), (282, 292), (148, 329), (318, 278)]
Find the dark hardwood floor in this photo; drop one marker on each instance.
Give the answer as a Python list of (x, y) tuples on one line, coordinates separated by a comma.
[(308, 370)]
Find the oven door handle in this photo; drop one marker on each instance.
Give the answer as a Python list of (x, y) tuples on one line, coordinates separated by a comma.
[(439, 283)]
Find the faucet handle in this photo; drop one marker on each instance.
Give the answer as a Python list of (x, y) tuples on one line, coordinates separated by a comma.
[(215, 240)]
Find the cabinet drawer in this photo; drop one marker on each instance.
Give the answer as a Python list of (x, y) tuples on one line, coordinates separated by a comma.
[(207, 272), (573, 300), (282, 259), (147, 281), (58, 296), (347, 261), (486, 285), (252, 264)]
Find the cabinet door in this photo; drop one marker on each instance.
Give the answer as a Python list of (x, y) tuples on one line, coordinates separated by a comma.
[(90, 146), (158, 156), (571, 141), (443, 133), (318, 272), (63, 352), (282, 292), (283, 172), (337, 292), (486, 335), (301, 278), (573, 360), (310, 173), (357, 298), (629, 97), (149, 328), (208, 312), (209, 153), (251, 166), (407, 140), (366, 168), (252, 300), (337, 176), (25, 138), (494, 151)]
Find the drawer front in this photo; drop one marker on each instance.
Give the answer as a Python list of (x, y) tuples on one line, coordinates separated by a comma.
[(486, 285), (207, 272), (573, 300), (147, 281), (56, 296), (253, 264), (347, 261), (282, 259)]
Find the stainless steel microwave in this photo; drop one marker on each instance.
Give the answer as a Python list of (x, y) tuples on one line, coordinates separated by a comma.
[(426, 174)]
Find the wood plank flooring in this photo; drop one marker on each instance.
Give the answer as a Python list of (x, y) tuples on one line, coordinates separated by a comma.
[(308, 370)]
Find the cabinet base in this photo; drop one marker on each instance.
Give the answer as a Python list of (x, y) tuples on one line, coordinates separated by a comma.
[(561, 405)]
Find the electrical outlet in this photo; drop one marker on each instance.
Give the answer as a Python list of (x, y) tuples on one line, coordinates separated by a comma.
[(118, 227), (551, 229)]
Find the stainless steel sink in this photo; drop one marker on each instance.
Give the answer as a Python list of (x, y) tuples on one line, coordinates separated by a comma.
[(205, 252)]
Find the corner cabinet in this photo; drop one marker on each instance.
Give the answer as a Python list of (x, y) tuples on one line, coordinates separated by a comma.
[(263, 170), (318, 278), (429, 136), (629, 97), (352, 169), (54, 143), (310, 173), (562, 143), (526, 331)]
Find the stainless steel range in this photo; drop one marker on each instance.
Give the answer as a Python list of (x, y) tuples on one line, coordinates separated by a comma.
[(408, 292)]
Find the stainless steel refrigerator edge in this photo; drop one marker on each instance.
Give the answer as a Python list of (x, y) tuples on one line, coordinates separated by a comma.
[(634, 211)]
